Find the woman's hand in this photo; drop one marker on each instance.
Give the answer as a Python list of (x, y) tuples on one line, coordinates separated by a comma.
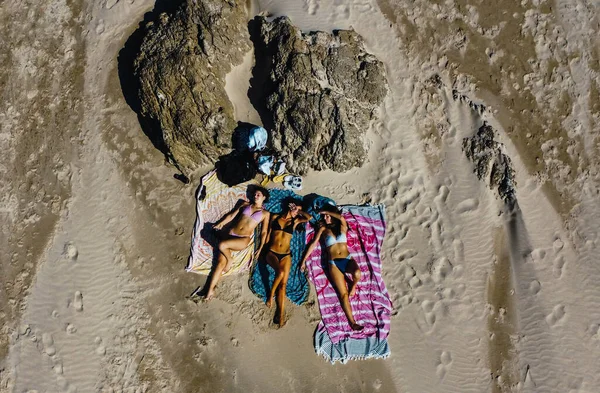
[(303, 265), (257, 254), (218, 226)]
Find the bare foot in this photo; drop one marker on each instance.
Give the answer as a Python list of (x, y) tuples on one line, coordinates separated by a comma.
[(209, 295), (269, 303), (227, 268), (282, 321), (279, 320), (356, 327)]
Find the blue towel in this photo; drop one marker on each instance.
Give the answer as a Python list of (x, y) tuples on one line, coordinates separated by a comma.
[(350, 349), (262, 276)]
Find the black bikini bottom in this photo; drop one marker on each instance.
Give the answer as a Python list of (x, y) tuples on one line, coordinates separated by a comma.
[(278, 255)]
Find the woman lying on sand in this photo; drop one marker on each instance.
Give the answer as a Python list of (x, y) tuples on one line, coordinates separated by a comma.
[(333, 230), (279, 255), (245, 219)]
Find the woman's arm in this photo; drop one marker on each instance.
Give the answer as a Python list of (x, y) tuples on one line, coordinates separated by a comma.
[(311, 247), (301, 218), (266, 221), (226, 219), (335, 215)]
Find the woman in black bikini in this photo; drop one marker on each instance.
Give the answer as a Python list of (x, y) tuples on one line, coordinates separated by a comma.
[(245, 219), (333, 232), (279, 255)]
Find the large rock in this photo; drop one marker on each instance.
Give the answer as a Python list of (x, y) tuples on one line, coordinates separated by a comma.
[(181, 66), (317, 93), (491, 164)]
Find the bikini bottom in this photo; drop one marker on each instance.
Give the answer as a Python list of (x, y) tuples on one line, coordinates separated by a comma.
[(279, 256), (341, 263), (232, 233)]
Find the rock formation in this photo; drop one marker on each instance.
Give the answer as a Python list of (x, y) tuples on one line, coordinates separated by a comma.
[(181, 67), (491, 164), (316, 92)]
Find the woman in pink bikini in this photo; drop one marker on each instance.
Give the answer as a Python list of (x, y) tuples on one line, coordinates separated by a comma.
[(244, 220), (333, 233)]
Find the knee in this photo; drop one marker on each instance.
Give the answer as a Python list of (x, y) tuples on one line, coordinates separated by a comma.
[(222, 247), (357, 275), (283, 285)]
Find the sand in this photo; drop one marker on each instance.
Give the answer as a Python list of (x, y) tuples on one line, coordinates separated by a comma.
[(95, 230)]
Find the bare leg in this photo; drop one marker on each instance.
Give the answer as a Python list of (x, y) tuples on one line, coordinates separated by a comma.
[(225, 248), (286, 265), (339, 283), (274, 263), (354, 270), (216, 275)]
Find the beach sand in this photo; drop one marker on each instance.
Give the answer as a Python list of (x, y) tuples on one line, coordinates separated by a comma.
[(95, 230)]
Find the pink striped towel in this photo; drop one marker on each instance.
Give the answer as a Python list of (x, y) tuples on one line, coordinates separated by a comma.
[(371, 305)]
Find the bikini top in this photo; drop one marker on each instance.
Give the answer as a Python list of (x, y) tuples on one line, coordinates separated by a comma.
[(331, 240), (248, 213), (287, 229)]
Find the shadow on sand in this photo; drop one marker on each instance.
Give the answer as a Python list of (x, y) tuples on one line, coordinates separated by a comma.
[(130, 85)]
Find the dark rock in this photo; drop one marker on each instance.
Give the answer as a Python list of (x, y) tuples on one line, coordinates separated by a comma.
[(491, 164), (316, 92), (183, 59)]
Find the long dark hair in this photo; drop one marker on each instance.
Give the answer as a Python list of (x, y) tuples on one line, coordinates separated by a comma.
[(253, 188), (336, 225)]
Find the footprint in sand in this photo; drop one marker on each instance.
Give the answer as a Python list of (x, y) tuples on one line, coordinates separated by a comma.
[(538, 254), (415, 282), (48, 342), (58, 368), (70, 329), (448, 294), (459, 251), (444, 364), (443, 194), (100, 27), (70, 251), (78, 301), (535, 287), (559, 264), (100, 349), (558, 313), (441, 270), (558, 244), (377, 384), (428, 307)]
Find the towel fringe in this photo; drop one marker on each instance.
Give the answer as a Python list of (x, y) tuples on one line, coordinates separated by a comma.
[(345, 360)]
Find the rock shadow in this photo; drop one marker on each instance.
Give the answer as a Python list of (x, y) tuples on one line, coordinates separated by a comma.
[(261, 85), (130, 85)]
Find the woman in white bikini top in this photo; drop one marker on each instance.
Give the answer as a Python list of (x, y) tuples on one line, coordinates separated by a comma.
[(333, 231)]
